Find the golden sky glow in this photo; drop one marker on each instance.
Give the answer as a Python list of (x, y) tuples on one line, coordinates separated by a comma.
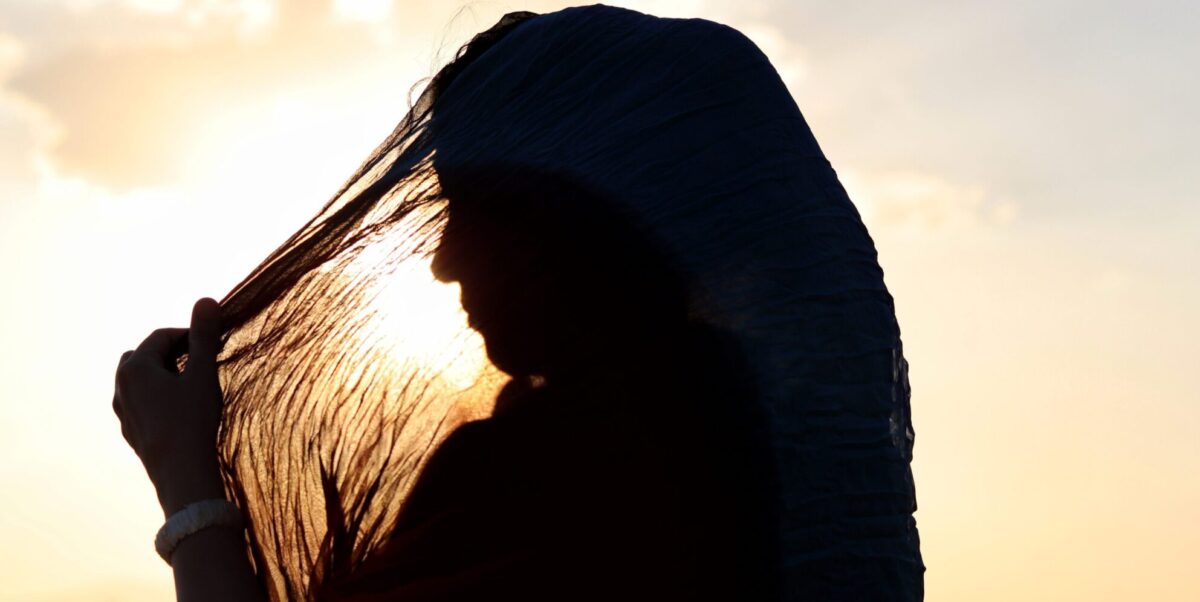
[(1027, 170)]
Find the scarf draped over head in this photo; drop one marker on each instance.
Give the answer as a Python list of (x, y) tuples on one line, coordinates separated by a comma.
[(689, 130)]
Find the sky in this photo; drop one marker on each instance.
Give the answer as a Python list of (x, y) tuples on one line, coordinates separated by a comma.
[(1029, 172)]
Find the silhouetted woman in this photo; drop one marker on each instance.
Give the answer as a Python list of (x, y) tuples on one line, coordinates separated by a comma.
[(705, 394)]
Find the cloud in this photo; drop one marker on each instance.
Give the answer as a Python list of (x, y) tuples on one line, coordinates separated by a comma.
[(250, 13), (132, 113), (904, 202), (181, 78), (788, 58), (156, 6), (25, 128)]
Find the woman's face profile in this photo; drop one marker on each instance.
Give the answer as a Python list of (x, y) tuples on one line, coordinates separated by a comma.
[(504, 277), (550, 278)]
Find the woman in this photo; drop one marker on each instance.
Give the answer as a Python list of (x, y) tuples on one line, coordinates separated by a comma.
[(708, 397)]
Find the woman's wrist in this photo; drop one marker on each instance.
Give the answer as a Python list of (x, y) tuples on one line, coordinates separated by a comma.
[(189, 481)]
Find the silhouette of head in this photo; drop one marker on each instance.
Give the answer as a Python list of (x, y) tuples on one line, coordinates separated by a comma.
[(553, 278)]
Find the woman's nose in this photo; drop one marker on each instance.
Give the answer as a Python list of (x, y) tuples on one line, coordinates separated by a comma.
[(442, 262)]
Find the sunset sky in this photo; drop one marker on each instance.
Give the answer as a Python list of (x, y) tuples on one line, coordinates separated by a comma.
[(1029, 171)]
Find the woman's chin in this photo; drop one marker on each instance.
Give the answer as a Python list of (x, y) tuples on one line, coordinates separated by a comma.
[(512, 358)]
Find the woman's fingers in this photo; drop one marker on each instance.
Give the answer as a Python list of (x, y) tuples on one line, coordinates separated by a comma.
[(204, 337), (121, 363), (168, 418), (116, 389), (158, 345)]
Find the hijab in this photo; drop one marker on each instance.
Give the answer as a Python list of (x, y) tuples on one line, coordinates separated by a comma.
[(686, 129)]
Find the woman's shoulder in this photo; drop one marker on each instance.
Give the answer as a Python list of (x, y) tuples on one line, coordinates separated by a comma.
[(521, 396)]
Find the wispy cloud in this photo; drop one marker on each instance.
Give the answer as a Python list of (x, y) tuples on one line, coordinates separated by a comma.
[(913, 203), (150, 101), (26, 129)]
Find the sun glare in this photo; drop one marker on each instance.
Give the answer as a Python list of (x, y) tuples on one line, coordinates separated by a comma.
[(419, 329), (416, 319)]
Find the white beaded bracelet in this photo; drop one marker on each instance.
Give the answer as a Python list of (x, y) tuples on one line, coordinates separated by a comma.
[(193, 518)]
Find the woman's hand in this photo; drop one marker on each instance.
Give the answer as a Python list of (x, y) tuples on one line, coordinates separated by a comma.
[(170, 418)]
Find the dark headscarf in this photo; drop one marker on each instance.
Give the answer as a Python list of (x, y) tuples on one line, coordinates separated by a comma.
[(684, 127)]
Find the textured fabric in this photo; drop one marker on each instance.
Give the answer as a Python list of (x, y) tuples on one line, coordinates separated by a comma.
[(688, 129), (687, 124)]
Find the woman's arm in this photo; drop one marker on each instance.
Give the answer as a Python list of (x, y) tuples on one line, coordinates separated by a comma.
[(211, 564), (170, 420)]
